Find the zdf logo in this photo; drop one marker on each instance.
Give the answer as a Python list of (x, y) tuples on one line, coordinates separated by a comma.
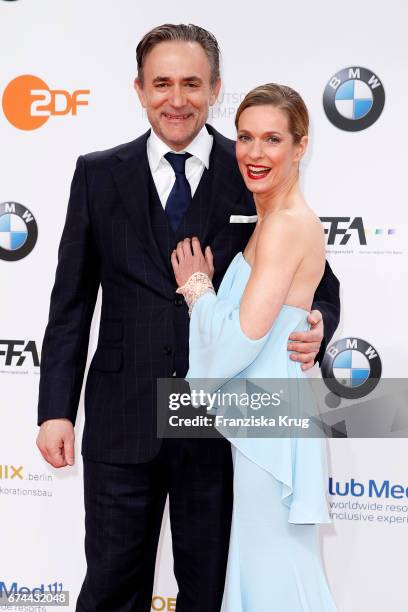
[(28, 102)]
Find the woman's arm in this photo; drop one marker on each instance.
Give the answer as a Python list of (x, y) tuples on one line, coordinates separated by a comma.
[(272, 274)]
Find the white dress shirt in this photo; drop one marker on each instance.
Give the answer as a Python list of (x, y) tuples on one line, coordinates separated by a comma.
[(162, 172)]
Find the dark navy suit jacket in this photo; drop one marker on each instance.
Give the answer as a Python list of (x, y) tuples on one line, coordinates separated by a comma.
[(110, 239)]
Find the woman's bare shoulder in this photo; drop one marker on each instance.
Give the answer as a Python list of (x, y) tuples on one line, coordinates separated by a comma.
[(300, 219), (293, 229), (279, 230)]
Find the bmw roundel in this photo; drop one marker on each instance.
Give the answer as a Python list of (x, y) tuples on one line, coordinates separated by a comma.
[(351, 368), (18, 231), (353, 99)]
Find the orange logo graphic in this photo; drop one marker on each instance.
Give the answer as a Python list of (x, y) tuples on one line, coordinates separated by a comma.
[(28, 102)]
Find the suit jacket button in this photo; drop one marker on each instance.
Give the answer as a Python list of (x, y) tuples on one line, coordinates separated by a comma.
[(167, 350)]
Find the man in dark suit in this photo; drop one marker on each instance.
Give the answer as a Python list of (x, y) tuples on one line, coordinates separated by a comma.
[(128, 208)]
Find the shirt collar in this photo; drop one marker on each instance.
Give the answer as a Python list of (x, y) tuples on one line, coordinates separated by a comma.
[(200, 147)]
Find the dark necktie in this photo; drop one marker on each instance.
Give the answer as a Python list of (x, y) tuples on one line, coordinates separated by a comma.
[(180, 195)]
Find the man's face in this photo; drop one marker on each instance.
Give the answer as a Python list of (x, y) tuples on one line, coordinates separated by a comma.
[(177, 91)]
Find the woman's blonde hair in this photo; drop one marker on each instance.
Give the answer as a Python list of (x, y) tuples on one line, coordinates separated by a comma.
[(283, 97)]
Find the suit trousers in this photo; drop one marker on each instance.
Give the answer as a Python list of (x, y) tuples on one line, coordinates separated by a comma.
[(124, 506)]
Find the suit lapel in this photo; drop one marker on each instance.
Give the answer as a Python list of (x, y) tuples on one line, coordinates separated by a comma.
[(131, 175)]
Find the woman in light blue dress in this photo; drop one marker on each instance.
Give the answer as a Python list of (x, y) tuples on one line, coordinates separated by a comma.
[(274, 558)]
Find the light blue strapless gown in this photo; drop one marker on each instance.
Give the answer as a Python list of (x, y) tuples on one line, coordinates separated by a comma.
[(274, 560)]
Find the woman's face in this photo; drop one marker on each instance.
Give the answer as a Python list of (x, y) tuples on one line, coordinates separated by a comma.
[(266, 153)]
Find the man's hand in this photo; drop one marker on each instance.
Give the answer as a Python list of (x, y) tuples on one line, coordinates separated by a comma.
[(307, 343), (56, 440)]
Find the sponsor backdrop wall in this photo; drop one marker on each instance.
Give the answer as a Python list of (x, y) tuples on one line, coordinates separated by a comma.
[(78, 59)]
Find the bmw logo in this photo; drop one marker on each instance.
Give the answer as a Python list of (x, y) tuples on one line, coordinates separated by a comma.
[(351, 368), (18, 231), (353, 99)]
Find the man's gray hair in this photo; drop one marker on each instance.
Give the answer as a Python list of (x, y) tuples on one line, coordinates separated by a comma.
[(181, 32)]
